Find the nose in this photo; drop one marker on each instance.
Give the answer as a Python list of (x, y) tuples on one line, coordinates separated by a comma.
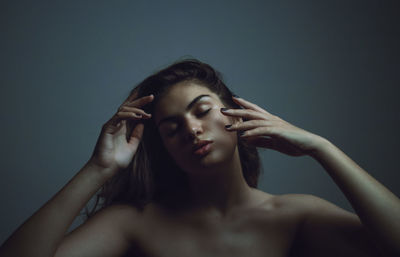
[(193, 128)]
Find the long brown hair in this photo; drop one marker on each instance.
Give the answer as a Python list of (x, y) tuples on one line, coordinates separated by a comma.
[(152, 175)]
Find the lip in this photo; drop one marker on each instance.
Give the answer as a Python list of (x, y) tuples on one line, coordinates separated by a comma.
[(202, 147)]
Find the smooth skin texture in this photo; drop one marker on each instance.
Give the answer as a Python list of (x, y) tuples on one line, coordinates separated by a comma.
[(226, 217)]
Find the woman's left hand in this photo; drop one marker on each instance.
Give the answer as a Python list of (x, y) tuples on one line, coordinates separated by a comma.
[(262, 129)]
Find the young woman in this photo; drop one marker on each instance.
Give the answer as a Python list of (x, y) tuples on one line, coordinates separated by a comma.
[(177, 166)]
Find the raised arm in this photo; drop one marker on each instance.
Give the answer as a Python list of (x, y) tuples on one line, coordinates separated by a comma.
[(376, 207), (44, 231)]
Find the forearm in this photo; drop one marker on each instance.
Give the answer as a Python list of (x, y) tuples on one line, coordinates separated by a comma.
[(377, 207), (43, 231)]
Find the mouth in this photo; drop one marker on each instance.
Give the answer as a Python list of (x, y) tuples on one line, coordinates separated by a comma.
[(202, 147)]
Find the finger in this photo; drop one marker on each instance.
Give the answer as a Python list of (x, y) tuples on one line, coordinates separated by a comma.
[(118, 117), (112, 124), (248, 105), (130, 115), (134, 94), (247, 125), (133, 110), (244, 113), (259, 131), (141, 101), (136, 135)]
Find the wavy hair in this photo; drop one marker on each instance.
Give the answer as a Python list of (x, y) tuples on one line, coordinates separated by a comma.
[(153, 176)]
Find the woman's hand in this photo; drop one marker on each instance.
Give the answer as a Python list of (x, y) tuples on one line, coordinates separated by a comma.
[(262, 129), (113, 151)]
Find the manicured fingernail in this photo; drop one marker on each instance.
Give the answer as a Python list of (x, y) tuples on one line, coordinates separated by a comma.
[(224, 109), (236, 96), (228, 126)]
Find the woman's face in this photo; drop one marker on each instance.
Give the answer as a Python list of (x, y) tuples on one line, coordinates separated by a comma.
[(192, 127)]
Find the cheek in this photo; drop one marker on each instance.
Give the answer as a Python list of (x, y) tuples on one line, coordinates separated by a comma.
[(169, 145), (219, 131), (221, 120), (174, 148)]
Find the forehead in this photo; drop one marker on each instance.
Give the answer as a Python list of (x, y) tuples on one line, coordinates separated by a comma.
[(179, 96)]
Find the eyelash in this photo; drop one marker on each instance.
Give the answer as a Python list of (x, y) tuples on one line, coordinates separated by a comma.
[(203, 113), (199, 115)]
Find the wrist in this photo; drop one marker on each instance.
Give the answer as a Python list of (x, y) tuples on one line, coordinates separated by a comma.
[(100, 172), (320, 146)]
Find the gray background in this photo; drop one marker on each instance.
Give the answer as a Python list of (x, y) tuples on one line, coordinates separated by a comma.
[(330, 67)]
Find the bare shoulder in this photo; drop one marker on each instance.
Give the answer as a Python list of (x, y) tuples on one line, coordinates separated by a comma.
[(297, 206), (305, 210), (132, 222), (125, 217), (120, 215), (285, 209), (324, 227), (120, 211), (301, 200), (295, 202), (309, 205), (107, 233)]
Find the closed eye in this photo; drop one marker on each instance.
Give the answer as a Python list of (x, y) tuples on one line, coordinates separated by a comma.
[(172, 132), (203, 113)]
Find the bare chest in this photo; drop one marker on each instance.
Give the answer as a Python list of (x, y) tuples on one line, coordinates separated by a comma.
[(251, 237)]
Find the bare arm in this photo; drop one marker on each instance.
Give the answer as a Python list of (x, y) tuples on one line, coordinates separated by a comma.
[(330, 231), (376, 207), (107, 233), (43, 233)]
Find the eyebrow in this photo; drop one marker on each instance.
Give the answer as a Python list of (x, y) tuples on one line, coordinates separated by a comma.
[(188, 107)]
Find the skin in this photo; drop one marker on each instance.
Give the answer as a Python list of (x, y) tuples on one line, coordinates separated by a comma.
[(225, 217), (203, 121)]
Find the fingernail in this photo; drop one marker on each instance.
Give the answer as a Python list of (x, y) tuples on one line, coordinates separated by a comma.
[(228, 126), (224, 109), (236, 96)]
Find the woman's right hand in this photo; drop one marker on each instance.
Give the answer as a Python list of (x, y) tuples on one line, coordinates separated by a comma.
[(113, 151)]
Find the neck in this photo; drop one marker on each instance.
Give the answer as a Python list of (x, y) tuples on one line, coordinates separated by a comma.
[(220, 188)]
